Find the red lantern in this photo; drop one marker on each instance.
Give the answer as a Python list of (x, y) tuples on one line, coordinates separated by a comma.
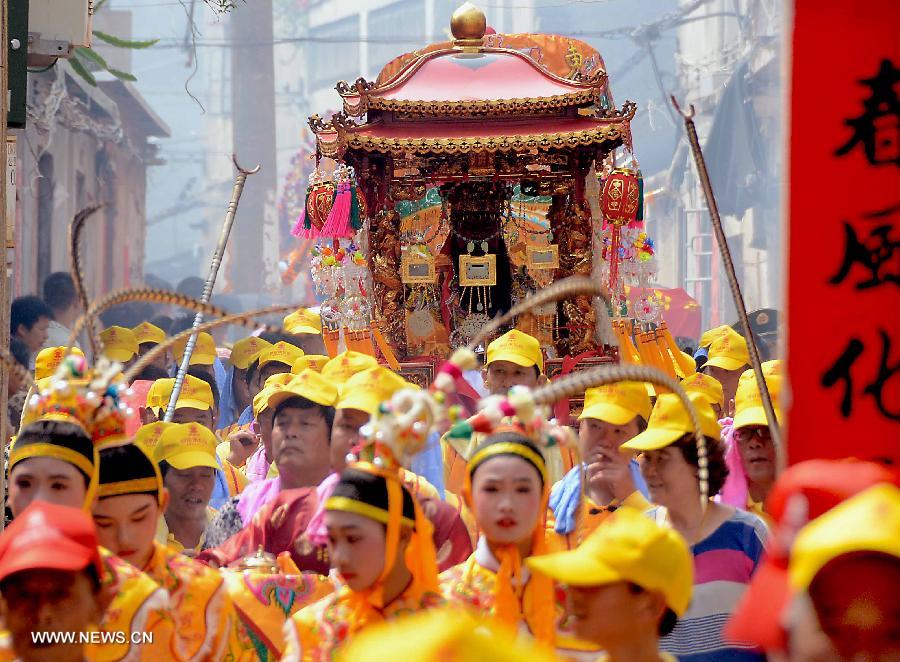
[(318, 203), (621, 202)]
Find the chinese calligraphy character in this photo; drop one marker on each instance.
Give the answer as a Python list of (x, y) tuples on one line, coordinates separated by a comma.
[(878, 128), (876, 255), (841, 370), (885, 372)]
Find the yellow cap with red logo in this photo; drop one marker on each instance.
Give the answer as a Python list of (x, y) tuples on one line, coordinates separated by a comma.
[(195, 394), (204, 350), (148, 333), (366, 390), (147, 436), (728, 351), (343, 366), (616, 403), (628, 547), (670, 421), (49, 359), (280, 352), (274, 383), (706, 386), (119, 344), (308, 384), (748, 408), (312, 361), (246, 350), (303, 320), (516, 347), (187, 445)]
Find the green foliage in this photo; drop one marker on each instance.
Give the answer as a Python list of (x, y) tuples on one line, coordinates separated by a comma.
[(82, 70), (123, 43), (87, 58)]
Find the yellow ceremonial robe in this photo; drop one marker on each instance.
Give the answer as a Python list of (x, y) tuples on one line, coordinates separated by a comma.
[(314, 633), (471, 584), (263, 603), (139, 605), (199, 605)]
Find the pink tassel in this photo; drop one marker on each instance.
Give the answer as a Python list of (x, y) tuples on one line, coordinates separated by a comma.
[(298, 226), (303, 232), (338, 223), (735, 491)]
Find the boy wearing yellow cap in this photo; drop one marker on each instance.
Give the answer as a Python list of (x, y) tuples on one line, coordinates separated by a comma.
[(728, 359), (751, 451), (305, 326), (710, 389), (119, 344), (846, 563), (186, 455), (149, 336), (628, 583), (513, 359), (236, 401), (49, 359), (203, 357), (300, 417), (612, 415)]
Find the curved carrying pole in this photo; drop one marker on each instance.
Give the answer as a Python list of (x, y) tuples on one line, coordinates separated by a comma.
[(239, 182), (703, 173)]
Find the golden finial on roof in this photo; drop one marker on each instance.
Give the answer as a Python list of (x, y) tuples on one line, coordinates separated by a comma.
[(468, 25)]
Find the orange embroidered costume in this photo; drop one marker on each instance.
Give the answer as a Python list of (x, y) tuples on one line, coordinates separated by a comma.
[(90, 402), (492, 581), (375, 491), (199, 609)]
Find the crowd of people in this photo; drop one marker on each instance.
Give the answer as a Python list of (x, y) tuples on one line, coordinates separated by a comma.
[(270, 514)]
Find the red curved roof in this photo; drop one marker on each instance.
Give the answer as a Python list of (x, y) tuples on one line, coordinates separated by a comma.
[(486, 76)]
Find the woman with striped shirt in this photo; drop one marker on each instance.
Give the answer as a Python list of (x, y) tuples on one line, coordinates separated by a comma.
[(726, 543)]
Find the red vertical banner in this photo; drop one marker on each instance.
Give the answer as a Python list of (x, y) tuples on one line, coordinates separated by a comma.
[(844, 231)]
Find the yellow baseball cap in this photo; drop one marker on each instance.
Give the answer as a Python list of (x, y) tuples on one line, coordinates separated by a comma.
[(204, 350), (147, 436), (627, 547), (195, 394), (312, 361), (616, 403), (366, 390), (516, 347), (49, 359), (308, 384), (187, 445), (274, 383), (866, 522), (443, 634), (706, 386), (343, 366), (303, 321), (148, 333), (748, 408), (728, 351), (711, 334), (119, 343), (159, 393), (246, 350), (670, 421), (281, 352)]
